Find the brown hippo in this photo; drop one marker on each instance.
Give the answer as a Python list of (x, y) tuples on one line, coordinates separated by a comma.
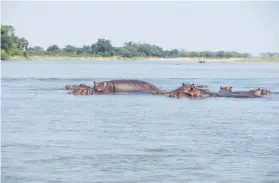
[(265, 92), (190, 92), (257, 92), (196, 92), (240, 94), (74, 87), (237, 95), (225, 89), (178, 95), (126, 85), (186, 87), (260, 92), (83, 91)]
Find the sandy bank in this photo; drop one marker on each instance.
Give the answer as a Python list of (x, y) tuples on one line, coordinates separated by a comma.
[(37, 58)]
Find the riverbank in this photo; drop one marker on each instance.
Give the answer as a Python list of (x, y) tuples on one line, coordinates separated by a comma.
[(117, 58)]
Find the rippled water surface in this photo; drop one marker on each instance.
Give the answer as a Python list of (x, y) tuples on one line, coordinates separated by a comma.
[(51, 136)]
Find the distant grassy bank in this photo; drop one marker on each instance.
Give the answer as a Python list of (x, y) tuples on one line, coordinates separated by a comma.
[(17, 48), (118, 58)]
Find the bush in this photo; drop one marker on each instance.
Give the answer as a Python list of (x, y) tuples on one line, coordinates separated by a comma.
[(4, 55), (14, 51)]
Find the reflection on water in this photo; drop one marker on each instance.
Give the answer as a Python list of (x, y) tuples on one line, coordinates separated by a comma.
[(51, 136)]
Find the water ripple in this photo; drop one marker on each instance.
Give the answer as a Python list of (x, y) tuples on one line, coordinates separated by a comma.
[(49, 136)]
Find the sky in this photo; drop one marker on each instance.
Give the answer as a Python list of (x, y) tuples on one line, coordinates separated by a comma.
[(194, 26)]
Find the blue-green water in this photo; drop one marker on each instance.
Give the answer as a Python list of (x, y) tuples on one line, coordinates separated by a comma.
[(51, 136)]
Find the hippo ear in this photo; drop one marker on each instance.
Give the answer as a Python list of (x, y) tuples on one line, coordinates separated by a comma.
[(183, 84), (94, 82)]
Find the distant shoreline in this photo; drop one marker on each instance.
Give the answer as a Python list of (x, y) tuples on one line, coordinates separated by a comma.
[(117, 58)]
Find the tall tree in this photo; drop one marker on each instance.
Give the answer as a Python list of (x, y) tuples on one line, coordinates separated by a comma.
[(22, 44)]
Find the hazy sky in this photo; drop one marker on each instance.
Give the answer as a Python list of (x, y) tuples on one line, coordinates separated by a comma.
[(241, 26)]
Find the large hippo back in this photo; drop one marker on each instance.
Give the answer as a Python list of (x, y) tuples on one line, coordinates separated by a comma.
[(135, 86), (125, 85)]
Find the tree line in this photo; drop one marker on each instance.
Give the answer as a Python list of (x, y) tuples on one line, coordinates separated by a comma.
[(12, 45)]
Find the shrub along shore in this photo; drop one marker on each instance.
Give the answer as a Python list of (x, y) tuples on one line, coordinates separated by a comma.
[(17, 48), (118, 58)]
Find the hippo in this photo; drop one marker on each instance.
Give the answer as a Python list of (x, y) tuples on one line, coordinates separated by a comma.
[(225, 89), (266, 92), (256, 93), (83, 91), (189, 92), (126, 85), (237, 95), (186, 87), (74, 87), (197, 92), (178, 95), (260, 92)]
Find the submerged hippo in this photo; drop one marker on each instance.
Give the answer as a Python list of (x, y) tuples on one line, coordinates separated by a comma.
[(186, 87), (197, 92), (75, 87), (190, 92), (225, 89), (237, 95), (83, 91), (126, 85), (243, 94), (261, 92), (257, 92)]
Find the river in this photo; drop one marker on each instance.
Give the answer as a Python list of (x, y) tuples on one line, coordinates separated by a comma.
[(48, 135)]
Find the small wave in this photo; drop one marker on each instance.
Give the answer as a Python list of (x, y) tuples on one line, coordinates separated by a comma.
[(164, 150), (45, 89), (21, 145), (58, 159), (155, 150)]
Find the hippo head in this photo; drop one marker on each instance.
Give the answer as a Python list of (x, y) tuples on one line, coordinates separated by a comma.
[(258, 92), (101, 86), (193, 92), (225, 89), (265, 92)]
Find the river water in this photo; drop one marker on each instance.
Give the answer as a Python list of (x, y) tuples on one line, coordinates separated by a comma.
[(51, 136)]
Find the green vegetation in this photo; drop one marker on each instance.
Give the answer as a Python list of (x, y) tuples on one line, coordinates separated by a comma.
[(13, 46)]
